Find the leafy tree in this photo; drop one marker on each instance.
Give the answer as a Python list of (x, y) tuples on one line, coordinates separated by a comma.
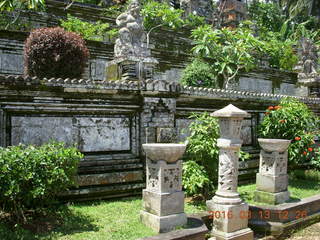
[(230, 50)]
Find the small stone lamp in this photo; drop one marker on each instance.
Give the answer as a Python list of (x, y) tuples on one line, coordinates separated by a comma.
[(227, 198)]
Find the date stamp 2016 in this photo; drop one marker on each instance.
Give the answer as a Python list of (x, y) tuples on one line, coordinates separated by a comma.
[(263, 215)]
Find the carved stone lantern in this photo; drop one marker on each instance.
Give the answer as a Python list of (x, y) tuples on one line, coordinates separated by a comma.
[(232, 223)]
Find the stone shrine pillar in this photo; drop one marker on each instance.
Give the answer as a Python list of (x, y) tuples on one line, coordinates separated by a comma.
[(233, 212), (163, 199), (272, 179)]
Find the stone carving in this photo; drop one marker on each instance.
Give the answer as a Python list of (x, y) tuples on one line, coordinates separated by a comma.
[(172, 179), (228, 170), (153, 177), (227, 198), (131, 34), (309, 56), (163, 199), (272, 179)]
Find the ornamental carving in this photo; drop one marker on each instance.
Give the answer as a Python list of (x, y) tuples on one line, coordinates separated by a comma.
[(228, 170)]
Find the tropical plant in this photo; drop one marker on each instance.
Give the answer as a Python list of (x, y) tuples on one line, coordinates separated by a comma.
[(195, 179), (31, 177), (292, 120), (91, 31), (230, 50), (10, 5), (294, 8), (53, 52), (199, 74)]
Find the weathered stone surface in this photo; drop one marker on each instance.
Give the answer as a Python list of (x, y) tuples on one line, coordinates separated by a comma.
[(109, 178), (103, 134), (271, 198), (40, 130), (164, 223), (163, 204), (237, 220), (243, 234), (270, 183), (90, 134)]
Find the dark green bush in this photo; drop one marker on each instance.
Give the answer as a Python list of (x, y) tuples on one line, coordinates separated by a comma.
[(199, 74), (55, 53), (31, 177)]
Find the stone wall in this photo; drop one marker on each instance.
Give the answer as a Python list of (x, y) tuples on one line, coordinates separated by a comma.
[(109, 121), (171, 49)]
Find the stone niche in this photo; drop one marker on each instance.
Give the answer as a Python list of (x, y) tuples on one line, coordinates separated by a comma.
[(91, 134)]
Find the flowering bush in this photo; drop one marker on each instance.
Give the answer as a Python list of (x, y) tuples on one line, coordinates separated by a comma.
[(292, 120)]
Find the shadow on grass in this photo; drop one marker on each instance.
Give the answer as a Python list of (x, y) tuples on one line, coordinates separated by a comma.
[(303, 184), (61, 221)]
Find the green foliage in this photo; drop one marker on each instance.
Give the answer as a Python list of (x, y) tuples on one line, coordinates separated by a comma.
[(292, 120), (156, 14), (10, 5), (280, 51), (267, 16), (87, 30), (31, 177), (230, 50), (312, 175), (195, 179), (161, 14), (199, 74)]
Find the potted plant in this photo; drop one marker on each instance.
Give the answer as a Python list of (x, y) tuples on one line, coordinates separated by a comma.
[(290, 121)]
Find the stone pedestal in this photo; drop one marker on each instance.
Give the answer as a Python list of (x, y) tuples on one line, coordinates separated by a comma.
[(272, 179), (230, 213), (130, 68), (163, 199)]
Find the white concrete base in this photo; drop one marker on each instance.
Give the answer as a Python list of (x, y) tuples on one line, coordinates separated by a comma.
[(165, 223)]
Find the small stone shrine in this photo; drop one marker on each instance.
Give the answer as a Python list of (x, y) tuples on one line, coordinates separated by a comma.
[(163, 198), (272, 179), (232, 222), (133, 59)]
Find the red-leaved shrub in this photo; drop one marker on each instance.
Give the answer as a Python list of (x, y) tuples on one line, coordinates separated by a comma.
[(53, 52)]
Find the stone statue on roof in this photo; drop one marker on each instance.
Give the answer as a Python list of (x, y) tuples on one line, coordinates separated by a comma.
[(131, 41), (309, 56)]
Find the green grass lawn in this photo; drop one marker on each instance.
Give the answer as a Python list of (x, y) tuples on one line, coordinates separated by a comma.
[(298, 189), (101, 220)]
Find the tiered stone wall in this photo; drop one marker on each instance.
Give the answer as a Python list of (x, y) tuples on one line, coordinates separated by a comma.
[(171, 49), (109, 121)]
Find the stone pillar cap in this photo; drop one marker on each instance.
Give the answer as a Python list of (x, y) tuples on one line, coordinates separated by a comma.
[(230, 111)]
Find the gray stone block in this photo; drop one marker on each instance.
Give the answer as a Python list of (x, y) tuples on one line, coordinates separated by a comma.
[(272, 184), (230, 218), (271, 198), (165, 223), (244, 234), (163, 204)]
